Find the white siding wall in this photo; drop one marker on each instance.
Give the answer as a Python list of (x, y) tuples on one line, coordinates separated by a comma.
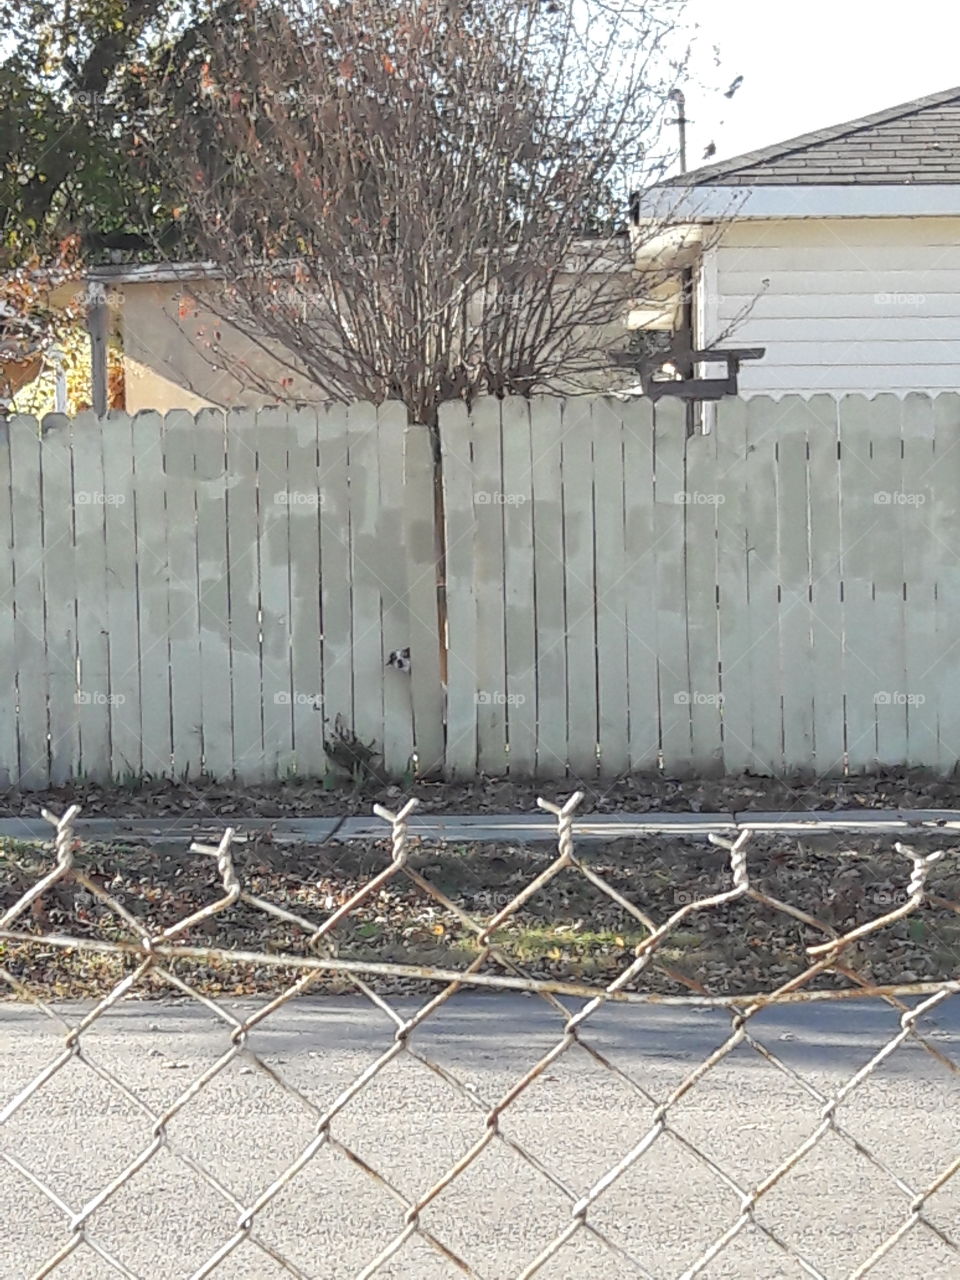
[(851, 305)]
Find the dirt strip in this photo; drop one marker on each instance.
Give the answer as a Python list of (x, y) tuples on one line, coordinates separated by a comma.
[(203, 798), (570, 930)]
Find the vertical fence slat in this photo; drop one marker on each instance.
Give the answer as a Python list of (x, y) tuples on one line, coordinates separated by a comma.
[(92, 622), (922, 556), (28, 594), (244, 589), (892, 513), (367, 645), (277, 491), (612, 702), (154, 587), (826, 563), (673, 675), (426, 687), (214, 599), (763, 420), (126, 733), (793, 572), (734, 606), (640, 585), (462, 628), (546, 435), (305, 629), (859, 519), (945, 522), (179, 449), (336, 588), (701, 515), (395, 625), (579, 552), (521, 662), (61, 601), (9, 759), (491, 673)]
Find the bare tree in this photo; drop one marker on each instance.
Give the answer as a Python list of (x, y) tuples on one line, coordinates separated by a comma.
[(423, 200)]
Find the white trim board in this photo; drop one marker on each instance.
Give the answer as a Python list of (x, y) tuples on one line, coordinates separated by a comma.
[(839, 200)]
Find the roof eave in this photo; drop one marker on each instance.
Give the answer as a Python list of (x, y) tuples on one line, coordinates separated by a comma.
[(718, 203)]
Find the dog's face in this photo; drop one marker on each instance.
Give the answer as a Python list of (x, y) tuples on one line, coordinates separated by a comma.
[(399, 658)]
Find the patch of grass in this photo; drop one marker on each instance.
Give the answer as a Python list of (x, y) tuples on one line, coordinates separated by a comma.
[(19, 850), (535, 941)]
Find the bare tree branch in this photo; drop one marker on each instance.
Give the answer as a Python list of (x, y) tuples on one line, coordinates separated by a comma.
[(424, 200)]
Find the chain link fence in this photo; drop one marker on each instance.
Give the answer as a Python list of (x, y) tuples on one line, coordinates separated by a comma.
[(71, 1232)]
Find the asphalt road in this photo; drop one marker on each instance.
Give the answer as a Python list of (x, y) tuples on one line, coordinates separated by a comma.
[(78, 1132)]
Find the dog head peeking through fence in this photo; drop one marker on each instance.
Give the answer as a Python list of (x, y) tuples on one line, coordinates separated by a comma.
[(399, 658)]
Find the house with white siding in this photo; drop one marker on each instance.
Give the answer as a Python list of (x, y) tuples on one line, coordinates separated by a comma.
[(838, 252)]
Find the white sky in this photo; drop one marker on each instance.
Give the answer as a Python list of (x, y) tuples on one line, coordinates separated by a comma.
[(810, 63)]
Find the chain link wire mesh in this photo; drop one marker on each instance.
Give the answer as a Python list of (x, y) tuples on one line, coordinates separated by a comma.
[(168, 954)]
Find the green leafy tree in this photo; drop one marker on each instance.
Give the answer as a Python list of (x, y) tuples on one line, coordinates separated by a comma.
[(73, 79)]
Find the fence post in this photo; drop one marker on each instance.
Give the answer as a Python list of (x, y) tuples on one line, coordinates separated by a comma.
[(98, 326), (420, 538), (9, 728)]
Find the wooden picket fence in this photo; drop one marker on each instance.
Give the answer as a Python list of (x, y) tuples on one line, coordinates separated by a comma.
[(206, 595), (779, 596)]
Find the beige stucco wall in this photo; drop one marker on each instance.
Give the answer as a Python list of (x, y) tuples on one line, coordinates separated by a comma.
[(179, 355)]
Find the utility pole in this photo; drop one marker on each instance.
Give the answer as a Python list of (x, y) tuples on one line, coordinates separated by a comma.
[(60, 380), (676, 95), (686, 370), (98, 326)]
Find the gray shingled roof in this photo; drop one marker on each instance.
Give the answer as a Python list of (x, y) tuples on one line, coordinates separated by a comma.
[(916, 142)]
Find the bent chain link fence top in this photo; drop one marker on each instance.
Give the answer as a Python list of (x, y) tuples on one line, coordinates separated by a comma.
[(156, 954)]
